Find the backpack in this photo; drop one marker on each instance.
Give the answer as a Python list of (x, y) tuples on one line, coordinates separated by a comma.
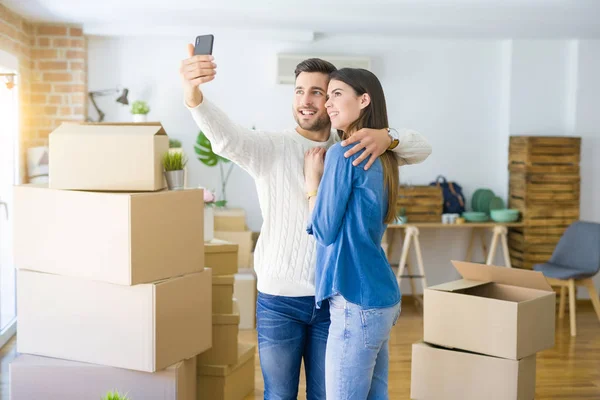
[(454, 201)]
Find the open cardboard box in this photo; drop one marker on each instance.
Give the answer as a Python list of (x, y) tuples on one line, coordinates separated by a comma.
[(497, 311), (114, 156)]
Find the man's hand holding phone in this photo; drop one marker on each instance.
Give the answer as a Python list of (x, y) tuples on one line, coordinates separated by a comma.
[(195, 71)]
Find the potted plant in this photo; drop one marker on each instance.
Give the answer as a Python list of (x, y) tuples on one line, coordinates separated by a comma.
[(115, 396), (174, 164), (140, 110), (207, 157)]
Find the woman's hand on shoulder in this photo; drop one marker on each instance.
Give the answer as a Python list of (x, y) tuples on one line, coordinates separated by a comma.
[(314, 165)]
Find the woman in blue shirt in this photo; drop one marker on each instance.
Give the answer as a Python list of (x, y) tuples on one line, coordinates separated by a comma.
[(350, 210)]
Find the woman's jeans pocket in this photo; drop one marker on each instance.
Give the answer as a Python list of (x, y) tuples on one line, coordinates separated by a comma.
[(377, 323)]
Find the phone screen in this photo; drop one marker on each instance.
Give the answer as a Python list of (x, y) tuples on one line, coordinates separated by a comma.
[(204, 44)]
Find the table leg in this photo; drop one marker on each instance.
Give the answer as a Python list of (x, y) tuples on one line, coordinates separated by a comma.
[(493, 245), (420, 259), (504, 239), (483, 244), (404, 257)]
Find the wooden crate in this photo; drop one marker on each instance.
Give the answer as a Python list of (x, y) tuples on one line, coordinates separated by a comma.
[(544, 154), (422, 203), (527, 260), (545, 186), (530, 246), (545, 189)]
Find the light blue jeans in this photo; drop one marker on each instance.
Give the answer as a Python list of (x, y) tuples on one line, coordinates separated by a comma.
[(357, 357)]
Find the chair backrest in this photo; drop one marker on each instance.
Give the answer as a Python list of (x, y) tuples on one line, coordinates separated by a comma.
[(579, 247)]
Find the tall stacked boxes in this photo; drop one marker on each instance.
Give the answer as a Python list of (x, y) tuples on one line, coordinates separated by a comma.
[(545, 187), (481, 335), (226, 371), (112, 293)]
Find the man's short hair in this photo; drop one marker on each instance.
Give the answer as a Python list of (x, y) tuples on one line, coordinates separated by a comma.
[(315, 65)]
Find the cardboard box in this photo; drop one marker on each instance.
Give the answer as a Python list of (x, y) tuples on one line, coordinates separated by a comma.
[(230, 220), (122, 238), (115, 157), (221, 257), (438, 373), (233, 382), (145, 327), (244, 242), (244, 290), (498, 311), (224, 349), (33, 377), (222, 294)]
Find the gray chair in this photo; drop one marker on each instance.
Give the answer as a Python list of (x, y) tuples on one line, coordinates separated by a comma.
[(574, 262)]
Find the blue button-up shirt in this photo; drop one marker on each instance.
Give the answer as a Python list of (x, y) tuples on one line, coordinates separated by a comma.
[(347, 223)]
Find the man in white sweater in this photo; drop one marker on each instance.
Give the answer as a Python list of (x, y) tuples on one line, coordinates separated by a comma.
[(290, 327)]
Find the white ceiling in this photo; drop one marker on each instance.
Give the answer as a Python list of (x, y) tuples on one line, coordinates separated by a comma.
[(310, 18)]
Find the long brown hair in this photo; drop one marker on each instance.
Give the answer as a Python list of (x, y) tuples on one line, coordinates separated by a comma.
[(372, 116)]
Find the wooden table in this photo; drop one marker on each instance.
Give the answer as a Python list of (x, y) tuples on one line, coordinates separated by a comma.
[(411, 234)]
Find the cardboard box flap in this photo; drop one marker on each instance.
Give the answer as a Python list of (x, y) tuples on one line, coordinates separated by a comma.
[(223, 279), (503, 275), (226, 319), (457, 285), (67, 129), (245, 353)]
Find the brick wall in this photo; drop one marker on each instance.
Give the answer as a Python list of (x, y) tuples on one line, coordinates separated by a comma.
[(52, 81)]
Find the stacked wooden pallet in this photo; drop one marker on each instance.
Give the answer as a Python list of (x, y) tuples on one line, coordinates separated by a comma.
[(544, 185), (421, 203)]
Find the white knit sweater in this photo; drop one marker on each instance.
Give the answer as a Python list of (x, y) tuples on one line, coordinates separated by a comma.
[(284, 259)]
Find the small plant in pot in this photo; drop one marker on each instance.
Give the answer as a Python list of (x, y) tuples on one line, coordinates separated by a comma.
[(115, 396), (140, 110), (174, 164)]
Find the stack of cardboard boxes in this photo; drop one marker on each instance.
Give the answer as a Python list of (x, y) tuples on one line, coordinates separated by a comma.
[(111, 288), (481, 335), (230, 225), (226, 371)]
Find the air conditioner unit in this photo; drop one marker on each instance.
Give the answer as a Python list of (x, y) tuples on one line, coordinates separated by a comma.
[(286, 64)]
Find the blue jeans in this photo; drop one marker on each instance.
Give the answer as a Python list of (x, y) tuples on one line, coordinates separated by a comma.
[(291, 329), (357, 359)]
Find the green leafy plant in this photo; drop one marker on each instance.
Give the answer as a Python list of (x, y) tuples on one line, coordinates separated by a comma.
[(207, 156), (174, 143), (140, 107), (402, 212), (174, 161), (115, 396)]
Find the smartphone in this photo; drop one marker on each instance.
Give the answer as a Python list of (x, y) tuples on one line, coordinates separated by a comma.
[(204, 45)]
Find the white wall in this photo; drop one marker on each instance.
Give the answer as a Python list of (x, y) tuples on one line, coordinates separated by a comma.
[(587, 126), (539, 87), (466, 96)]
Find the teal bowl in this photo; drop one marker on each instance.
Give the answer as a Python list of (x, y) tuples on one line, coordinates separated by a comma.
[(506, 215), (475, 216)]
